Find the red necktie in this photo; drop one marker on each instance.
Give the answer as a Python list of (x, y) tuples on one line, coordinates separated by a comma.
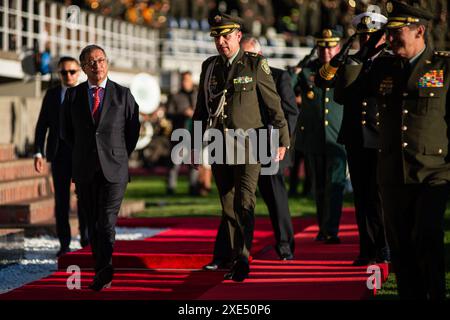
[(96, 103)]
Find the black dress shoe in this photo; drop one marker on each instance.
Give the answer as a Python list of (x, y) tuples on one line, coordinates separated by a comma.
[(239, 272), (359, 262), (218, 265), (62, 252), (332, 240), (320, 237), (285, 253), (102, 279)]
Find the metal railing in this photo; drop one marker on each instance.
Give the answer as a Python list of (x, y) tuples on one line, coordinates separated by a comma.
[(40, 24)]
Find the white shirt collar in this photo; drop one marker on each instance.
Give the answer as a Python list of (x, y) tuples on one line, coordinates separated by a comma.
[(102, 84)]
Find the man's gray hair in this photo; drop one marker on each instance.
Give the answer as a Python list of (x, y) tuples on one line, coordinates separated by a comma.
[(88, 49), (253, 41)]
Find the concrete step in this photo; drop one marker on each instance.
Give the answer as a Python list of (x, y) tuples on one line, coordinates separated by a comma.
[(16, 190), (20, 168), (7, 152), (48, 227), (12, 246), (27, 211)]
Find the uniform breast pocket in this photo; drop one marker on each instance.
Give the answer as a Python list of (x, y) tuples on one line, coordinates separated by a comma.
[(428, 99), (244, 87)]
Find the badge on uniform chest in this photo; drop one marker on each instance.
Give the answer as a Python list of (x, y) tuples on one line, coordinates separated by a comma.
[(432, 79), (242, 80), (386, 86)]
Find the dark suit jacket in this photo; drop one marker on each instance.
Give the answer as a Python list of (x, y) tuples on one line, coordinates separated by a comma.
[(49, 120), (286, 92), (110, 142)]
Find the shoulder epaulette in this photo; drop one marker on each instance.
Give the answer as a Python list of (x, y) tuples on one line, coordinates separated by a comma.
[(252, 54), (442, 53)]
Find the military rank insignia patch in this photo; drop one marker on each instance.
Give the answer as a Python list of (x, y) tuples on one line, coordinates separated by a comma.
[(242, 80), (265, 66), (386, 86), (432, 79)]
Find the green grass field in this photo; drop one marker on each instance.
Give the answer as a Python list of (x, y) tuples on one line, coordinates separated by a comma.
[(159, 204)]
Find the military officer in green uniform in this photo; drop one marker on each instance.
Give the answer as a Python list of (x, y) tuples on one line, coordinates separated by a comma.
[(237, 92), (414, 165), (359, 133), (319, 124)]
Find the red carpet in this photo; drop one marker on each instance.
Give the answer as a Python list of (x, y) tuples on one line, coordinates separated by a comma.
[(157, 268)]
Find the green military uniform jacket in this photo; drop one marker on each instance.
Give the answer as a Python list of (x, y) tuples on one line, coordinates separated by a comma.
[(251, 97), (320, 116), (414, 117)]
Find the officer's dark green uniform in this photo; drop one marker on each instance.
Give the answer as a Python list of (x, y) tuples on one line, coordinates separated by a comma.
[(414, 164), (319, 124), (360, 135), (251, 101)]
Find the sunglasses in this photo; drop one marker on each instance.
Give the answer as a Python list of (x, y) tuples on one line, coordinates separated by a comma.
[(65, 72)]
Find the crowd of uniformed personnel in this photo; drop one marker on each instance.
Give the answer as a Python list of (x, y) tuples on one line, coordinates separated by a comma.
[(379, 112)]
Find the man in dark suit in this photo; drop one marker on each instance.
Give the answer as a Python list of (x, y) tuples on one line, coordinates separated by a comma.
[(100, 121), (58, 153), (272, 187)]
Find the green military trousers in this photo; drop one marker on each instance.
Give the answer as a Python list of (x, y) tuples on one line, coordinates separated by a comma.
[(328, 175), (237, 186)]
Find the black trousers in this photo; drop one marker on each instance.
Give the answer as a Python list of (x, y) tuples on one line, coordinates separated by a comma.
[(294, 176), (362, 163), (237, 186), (328, 177), (101, 202), (61, 173), (274, 193), (414, 216)]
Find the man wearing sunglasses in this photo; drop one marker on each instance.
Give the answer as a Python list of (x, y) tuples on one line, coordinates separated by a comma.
[(58, 153)]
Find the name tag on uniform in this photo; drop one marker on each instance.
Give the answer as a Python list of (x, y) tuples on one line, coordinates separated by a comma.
[(432, 79), (242, 80), (386, 86)]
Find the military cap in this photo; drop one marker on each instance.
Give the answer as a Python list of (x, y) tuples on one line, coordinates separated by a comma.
[(328, 38), (223, 24), (401, 14), (368, 22)]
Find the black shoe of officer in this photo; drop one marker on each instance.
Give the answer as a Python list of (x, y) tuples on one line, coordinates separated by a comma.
[(332, 240), (102, 279), (62, 251), (359, 262), (285, 253), (218, 265), (239, 272)]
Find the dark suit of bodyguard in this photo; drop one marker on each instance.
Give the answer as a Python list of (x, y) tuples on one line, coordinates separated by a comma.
[(250, 102), (414, 164), (319, 124)]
